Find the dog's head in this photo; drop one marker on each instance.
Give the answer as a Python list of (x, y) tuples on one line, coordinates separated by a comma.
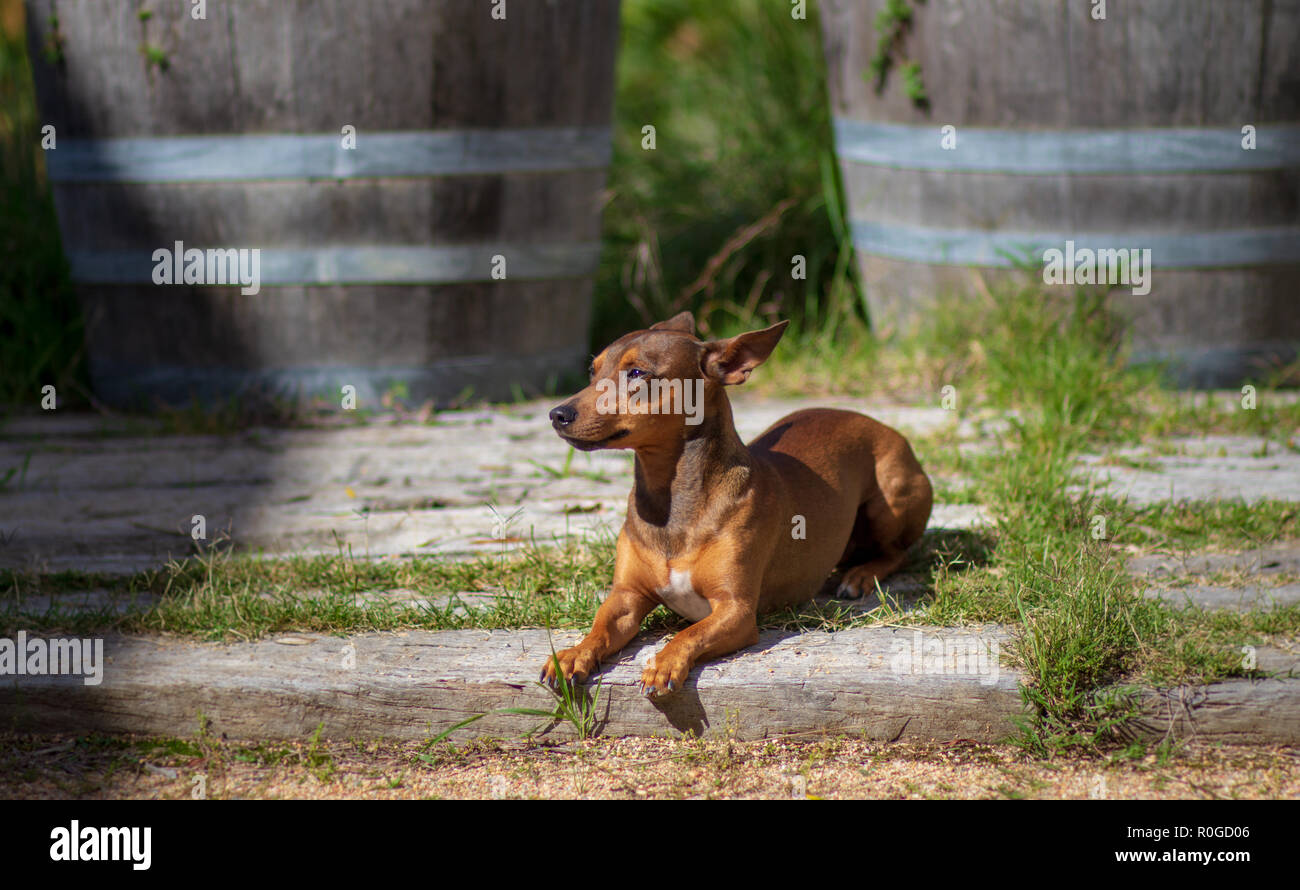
[(648, 387)]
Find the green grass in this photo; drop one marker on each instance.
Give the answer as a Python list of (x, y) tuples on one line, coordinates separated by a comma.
[(40, 322), (1203, 525), (225, 596), (1082, 624), (1276, 415), (742, 179)]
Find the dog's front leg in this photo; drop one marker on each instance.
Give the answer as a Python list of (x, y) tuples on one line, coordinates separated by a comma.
[(617, 621), (732, 625)]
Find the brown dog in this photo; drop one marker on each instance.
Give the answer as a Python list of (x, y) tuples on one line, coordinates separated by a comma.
[(719, 532)]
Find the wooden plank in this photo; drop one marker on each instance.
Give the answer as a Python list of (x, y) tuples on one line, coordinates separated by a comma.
[(101, 85), (884, 683), (1242, 712), (315, 66), (196, 92), (1241, 307), (363, 326), (414, 685)]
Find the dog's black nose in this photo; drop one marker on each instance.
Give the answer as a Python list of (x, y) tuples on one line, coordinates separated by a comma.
[(563, 415)]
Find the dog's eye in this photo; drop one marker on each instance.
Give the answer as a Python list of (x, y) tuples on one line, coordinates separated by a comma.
[(591, 371), (634, 373)]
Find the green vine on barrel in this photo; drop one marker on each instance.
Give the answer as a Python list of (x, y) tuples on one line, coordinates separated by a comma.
[(53, 46), (892, 23), (154, 56)]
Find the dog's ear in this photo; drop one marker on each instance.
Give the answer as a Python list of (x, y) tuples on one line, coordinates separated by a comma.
[(682, 321), (730, 361)]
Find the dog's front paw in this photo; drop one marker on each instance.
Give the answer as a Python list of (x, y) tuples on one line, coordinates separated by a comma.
[(576, 665), (664, 674)]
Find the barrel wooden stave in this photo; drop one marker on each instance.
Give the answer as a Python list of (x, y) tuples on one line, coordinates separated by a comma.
[(305, 66), (289, 213), (1047, 64), (349, 323), (1101, 203), (1040, 65), (275, 67)]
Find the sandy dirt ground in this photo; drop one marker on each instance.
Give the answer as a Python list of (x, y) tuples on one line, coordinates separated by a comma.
[(819, 768)]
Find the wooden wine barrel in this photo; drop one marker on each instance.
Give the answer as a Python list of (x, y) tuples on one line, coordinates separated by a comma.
[(450, 248), (1128, 132)]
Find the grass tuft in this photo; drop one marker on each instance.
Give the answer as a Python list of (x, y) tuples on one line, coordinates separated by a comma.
[(40, 321)]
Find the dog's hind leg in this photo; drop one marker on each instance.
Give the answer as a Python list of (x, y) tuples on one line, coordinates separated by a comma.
[(861, 579), (888, 522)]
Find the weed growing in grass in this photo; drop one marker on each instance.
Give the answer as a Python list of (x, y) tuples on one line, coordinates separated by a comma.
[(573, 705), (566, 470), (316, 759)]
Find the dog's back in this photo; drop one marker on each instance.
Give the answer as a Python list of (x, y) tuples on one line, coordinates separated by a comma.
[(849, 488)]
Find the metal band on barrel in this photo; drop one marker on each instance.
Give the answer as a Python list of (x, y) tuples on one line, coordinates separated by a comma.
[(1047, 152), (970, 247), (322, 156), (366, 265)]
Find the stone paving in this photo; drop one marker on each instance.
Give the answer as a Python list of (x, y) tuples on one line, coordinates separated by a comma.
[(470, 482), (1202, 468), (1263, 577), (99, 496)]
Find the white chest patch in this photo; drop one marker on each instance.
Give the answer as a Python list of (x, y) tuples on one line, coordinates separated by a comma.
[(681, 597)]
